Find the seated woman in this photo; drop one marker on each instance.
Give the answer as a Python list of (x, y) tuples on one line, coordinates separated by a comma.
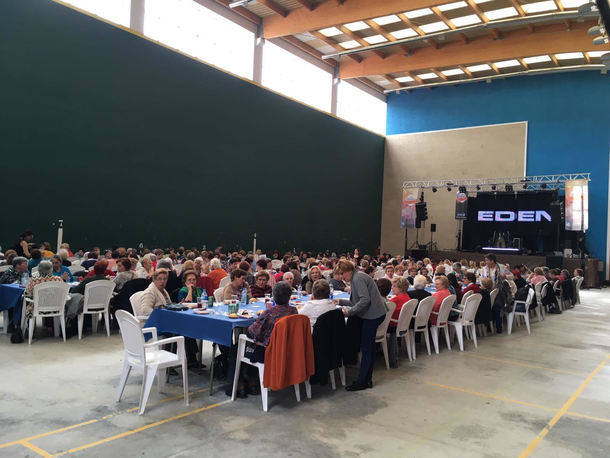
[(470, 283), (441, 283), (124, 274), (61, 271), (146, 268), (260, 331), (400, 288), (484, 315), (399, 270), (412, 272), (217, 273), (155, 295), (44, 275), (537, 276), (63, 255), (34, 260), (314, 275), (189, 292), (261, 284), (319, 303), (454, 286), (424, 272)]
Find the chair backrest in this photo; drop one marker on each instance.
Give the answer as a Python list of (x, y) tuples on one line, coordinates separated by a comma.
[(276, 264), (34, 270), (529, 299), (423, 312), (134, 300), (75, 268), (406, 315), (97, 295), (326, 273), (378, 274), (382, 330), (466, 295), (224, 282), (493, 295), (4, 268), (50, 297), (132, 335), (178, 268), (218, 294), (443, 312), (557, 286), (538, 291), (470, 308)]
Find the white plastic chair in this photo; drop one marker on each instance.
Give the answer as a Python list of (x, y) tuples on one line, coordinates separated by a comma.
[(421, 323), (404, 322), (34, 270), (241, 358), (466, 295), (327, 273), (525, 314), (276, 264), (558, 290), (466, 320), (75, 268), (49, 301), (97, 300), (224, 282), (218, 294), (441, 321), (382, 332), (134, 300), (149, 357), (540, 308), (577, 284)]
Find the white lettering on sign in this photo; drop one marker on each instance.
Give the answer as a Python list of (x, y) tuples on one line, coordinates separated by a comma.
[(506, 216)]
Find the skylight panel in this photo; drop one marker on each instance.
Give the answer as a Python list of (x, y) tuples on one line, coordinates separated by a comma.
[(404, 79), (372, 40), (452, 6), (350, 44), (428, 76), (465, 20), (597, 53), (383, 20), (330, 31), (507, 63), (479, 68), (573, 3), (434, 27), (418, 13), (538, 7), (404, 33), (536, 59), (355, 26), (501, 13), (453, 72), (569, 55)]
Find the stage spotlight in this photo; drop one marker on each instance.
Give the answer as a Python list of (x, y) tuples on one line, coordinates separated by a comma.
[(478, 188), (462, 188), (434, 189), (493, 187), (449, 188), (509, 188)]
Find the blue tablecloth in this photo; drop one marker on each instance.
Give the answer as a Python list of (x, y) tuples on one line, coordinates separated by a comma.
[(216, 327), (10, 297)]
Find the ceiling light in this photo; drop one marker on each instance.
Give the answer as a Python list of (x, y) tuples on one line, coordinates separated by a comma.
[(350, 44), (330, 31), (404, 79), (466, 20), (507, 63), (600, 40), (404, 33), (428, 76), (355, 26), (418, 13), (434, 27), (569, 55), (479, 68), (597, 53), (452, 6), (453, 72), (383, 20), (501, 13), (596, 30), (586, 8), (434, 189), (573, 3), (536, 59), (374, 39), (539, 6)]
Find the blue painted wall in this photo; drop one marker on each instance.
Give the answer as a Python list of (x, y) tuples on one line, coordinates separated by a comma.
[(568, 118)]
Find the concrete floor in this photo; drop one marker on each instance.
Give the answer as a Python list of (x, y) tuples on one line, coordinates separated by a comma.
[(492, 401)]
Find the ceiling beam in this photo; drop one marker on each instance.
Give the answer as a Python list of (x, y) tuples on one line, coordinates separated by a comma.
[(307, 4), (332, 13), (518, 7), (244, 12), (481, 15), (419, 31), (275, 7), (448, 23), (358, 39), (305, 47), (334, 44), (548, 39)]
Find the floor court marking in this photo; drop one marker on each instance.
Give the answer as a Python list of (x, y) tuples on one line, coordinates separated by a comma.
[(518, 363), (142, 428), (514, 401), (564, 409), (94, 420), (35, 449)]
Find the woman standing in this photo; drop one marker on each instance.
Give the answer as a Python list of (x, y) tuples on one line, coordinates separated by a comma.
[(365, 302)]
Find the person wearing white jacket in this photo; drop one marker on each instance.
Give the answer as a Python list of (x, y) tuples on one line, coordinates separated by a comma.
[(319, 303)]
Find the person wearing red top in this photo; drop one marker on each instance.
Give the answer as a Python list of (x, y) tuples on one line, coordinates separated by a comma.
[(108, 273), (441, 283), (400, 286), (470, 284)]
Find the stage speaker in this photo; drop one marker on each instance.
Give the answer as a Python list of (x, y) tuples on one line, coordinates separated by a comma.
[(554, 262), (433, 227)]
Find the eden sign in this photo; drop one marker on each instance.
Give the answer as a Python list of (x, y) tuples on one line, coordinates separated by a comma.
[(522, 216)]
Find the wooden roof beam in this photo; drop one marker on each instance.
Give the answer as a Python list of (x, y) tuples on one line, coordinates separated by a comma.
[(481, 15), (276, 8), (335, 45), (518, 7), (360, 40), (307, 4), (419, 31), (448, 23), (332, 13), (548, 39)]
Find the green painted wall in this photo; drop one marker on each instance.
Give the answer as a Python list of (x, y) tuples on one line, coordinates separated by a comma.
[(130, 142)]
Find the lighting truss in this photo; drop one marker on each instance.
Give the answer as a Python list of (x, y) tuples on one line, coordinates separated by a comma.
[(528, 183)]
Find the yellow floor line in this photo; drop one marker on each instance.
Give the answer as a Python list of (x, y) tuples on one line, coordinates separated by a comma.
[(517, 363), (533, 444), (94, 420), (142, 428), (35, 449)]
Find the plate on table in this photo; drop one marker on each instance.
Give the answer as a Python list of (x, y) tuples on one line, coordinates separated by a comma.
[(202, 312), (191, 305), (176, 307)]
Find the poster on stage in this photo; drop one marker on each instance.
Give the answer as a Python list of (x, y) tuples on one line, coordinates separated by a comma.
[(409, 199), (577, 205), (461, 205)]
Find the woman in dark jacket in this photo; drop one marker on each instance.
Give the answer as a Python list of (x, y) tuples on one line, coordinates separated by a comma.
[(484, 315)]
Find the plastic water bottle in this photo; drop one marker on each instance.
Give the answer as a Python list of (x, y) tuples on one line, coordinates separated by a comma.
[(244, 297), (332, 292), (300, 288), (203, 300), (204, 295)]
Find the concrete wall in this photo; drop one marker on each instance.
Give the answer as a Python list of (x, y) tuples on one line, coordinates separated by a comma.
[(476, 152)]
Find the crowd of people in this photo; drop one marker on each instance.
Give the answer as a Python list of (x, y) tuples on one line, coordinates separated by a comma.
[(185, 275)]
